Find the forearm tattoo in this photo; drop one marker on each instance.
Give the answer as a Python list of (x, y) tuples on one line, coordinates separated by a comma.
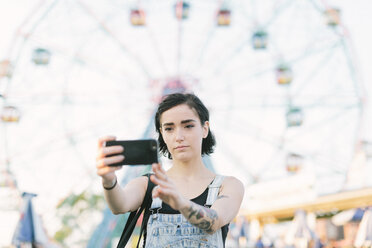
[(200, 216), (222, 196)]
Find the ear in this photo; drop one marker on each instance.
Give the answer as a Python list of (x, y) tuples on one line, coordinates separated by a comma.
[(205, 129)]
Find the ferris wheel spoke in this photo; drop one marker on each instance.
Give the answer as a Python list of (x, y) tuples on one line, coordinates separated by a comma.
[(254, 131), (111, 34), (26, 21), (157, 50), (306, 82), (279, 9), (209, 32), (229, 58), (21, 36), (321, 123), (359, 87), (269, 69), (236, 161)]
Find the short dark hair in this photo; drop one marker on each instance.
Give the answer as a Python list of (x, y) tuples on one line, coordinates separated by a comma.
[(191, 100)]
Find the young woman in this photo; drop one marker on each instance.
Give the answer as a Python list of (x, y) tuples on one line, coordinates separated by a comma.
[(192, 206)]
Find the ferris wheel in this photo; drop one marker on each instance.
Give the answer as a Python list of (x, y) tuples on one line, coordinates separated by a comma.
[(278, 77)]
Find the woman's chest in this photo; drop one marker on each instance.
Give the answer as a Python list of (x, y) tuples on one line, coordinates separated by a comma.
[(191, 190)]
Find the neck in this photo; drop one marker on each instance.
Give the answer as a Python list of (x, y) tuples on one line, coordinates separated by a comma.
[(189, 169)]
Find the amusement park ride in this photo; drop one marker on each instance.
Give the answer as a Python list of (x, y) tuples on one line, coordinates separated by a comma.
[(281, 89)]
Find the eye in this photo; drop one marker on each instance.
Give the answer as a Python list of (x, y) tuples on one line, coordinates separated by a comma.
[(167, 129), (189, 126)]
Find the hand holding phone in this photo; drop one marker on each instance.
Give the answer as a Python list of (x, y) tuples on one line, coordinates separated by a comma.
[(136, 152)]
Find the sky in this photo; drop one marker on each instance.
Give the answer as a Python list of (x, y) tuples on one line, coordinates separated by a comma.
[(105, 79)]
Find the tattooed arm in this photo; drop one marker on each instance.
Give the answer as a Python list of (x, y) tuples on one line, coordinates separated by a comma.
[(222, 212), (202, 217)]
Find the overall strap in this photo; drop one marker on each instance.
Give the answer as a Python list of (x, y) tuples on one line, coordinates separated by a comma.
[(156, 203), (155, 207), (213, 190)]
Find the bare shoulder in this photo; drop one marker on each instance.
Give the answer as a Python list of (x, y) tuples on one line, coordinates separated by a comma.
[(229, 199), (142, 180), (138, 183), (233, 183), (133, 193)]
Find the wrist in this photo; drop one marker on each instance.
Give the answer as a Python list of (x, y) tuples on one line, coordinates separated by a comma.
[(109, 185), (184, 204)]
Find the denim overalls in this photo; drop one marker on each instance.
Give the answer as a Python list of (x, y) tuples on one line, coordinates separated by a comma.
[(173, 230)]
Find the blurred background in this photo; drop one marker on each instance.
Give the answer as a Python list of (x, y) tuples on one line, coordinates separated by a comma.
[(287, 84)]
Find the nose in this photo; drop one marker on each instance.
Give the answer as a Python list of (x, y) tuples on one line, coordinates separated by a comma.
[(179, 135)]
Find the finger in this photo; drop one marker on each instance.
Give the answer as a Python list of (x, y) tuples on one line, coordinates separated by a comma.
[(161, 176), (157, 167), (161, 192), (155, 192), (106, 151), (105, 170), (161, 169), (164, 193), (159, 172), (109, 150), (159, 182), (102, 140), (109, 160)]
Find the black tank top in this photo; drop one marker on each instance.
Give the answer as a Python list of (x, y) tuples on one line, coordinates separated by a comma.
[(200, 200)]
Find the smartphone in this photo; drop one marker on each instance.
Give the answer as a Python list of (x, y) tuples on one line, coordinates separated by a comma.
[(136, 152)]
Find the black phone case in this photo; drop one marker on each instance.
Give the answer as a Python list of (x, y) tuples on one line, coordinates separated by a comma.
[(136, 152)]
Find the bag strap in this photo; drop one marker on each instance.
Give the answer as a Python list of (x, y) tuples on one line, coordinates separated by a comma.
[(143, 230), (133, 217), (146, 214)]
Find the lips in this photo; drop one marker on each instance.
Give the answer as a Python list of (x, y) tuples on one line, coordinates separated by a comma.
[(180, 147)]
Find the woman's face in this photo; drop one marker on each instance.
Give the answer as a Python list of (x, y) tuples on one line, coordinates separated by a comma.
[(183, 132)]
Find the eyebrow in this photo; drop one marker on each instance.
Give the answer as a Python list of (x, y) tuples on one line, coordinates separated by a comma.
[(182, 122)]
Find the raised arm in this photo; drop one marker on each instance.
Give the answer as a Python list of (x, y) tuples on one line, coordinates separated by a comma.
[(222, 212), (120, 200)]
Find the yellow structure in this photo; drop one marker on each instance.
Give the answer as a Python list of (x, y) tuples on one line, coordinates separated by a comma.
[(327, 203)]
